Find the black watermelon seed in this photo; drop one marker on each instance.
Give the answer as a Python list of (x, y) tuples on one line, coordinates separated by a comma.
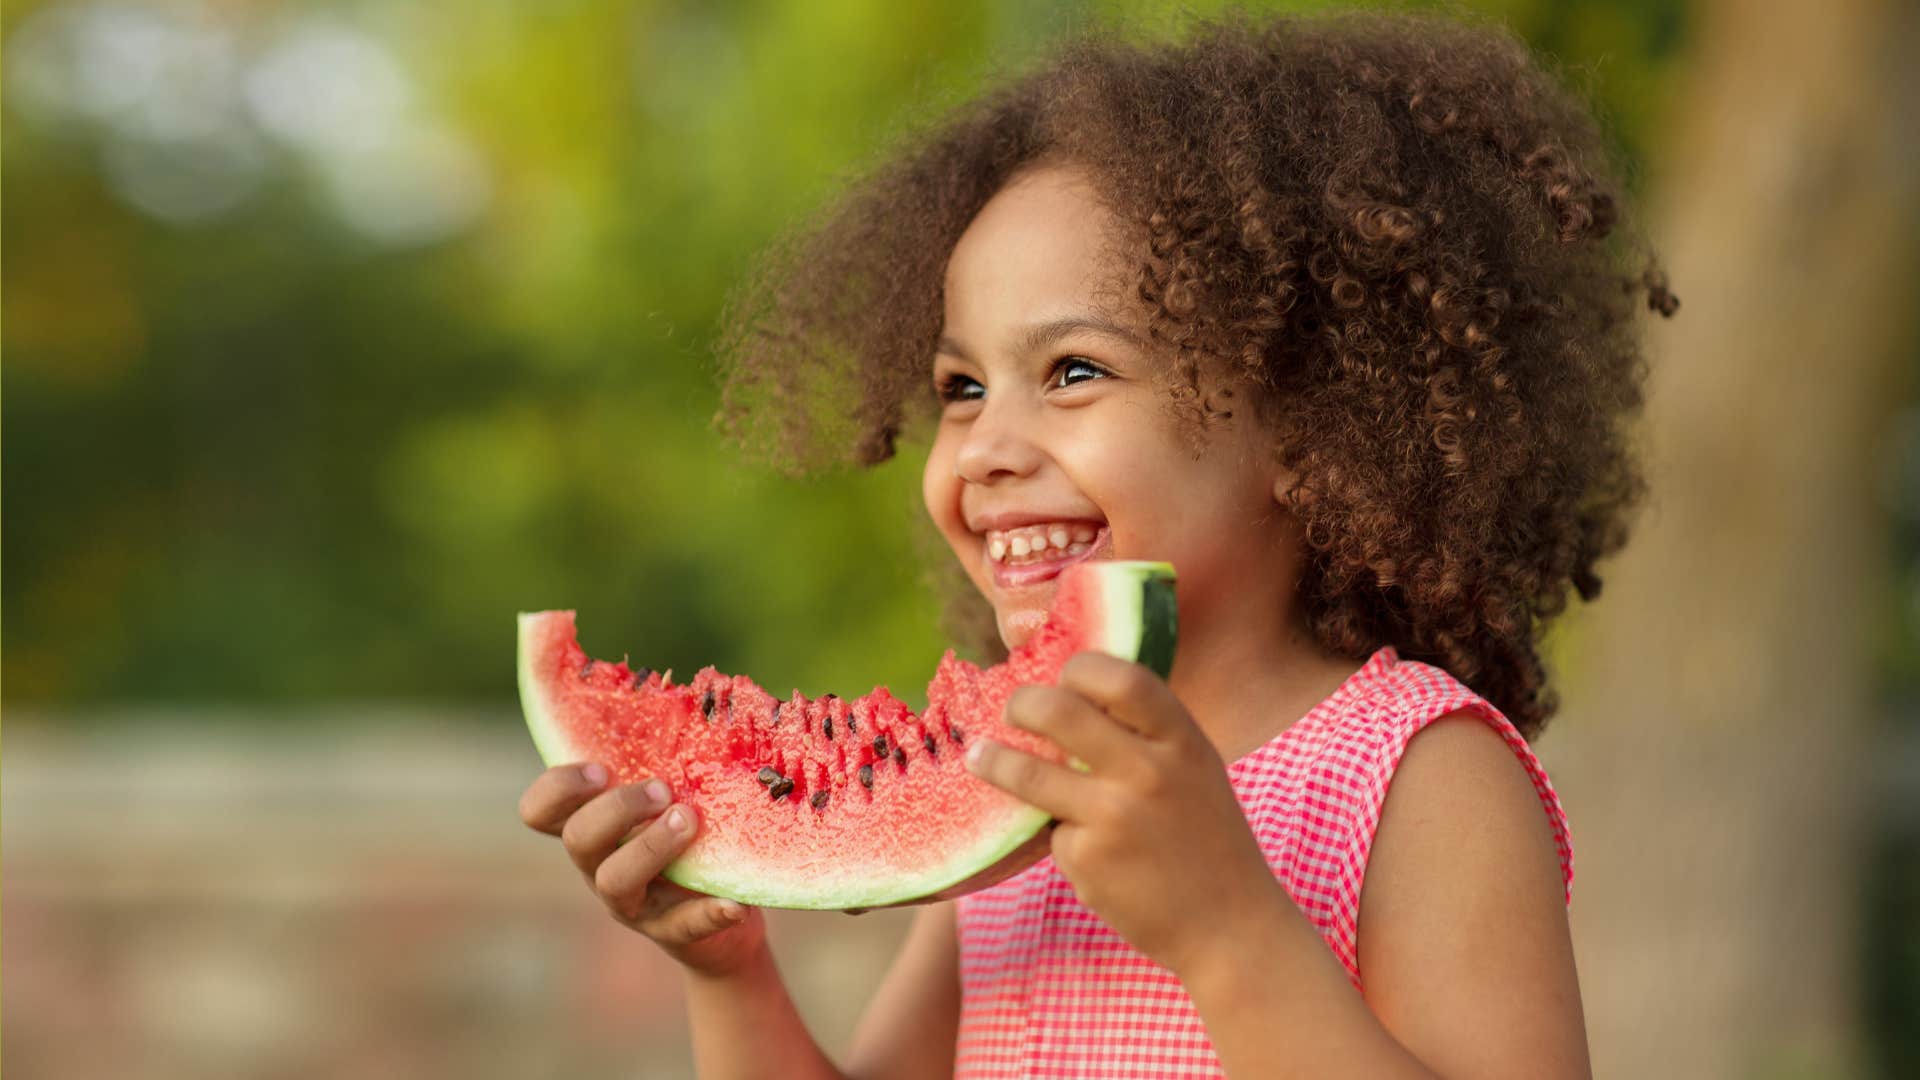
[(781, 788), (853, 724), (866, 777), (706, 704), (954, 734), (826, 724), (880, 746), (819, 799), (642, 675), (927, 739), (768, 775), (900, 756), (774, 717), (586, 669)]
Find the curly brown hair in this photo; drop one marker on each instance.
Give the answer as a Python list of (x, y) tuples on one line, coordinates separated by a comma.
[(1392, 229)]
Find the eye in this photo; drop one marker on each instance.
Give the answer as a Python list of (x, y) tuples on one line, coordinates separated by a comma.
[(1067, 367), (954, 386)]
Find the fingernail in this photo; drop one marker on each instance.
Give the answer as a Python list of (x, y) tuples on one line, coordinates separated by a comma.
[(656, 791), (677, 819), (595, 774), (730, 909), (976, 754)]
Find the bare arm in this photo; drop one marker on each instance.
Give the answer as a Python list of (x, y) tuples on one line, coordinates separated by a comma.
[(744, 1025), (911, 1025), (1463, 918), (1463, 937)]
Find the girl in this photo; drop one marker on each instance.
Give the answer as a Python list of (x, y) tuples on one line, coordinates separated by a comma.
[(1320, 312)]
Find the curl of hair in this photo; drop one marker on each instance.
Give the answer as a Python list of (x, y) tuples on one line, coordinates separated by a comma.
[(1398, 232)]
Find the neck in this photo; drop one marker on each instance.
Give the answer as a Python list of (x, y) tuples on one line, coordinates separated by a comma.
[(1246, 675)]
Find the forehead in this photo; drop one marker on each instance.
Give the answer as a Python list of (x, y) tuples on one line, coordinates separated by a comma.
[(1040, 248)]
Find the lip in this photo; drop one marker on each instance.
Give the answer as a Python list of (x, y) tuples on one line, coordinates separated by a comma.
[(1012, 519), (1007, 578)]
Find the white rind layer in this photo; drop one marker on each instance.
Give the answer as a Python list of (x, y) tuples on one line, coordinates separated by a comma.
[(859, 889), (1124, 626)]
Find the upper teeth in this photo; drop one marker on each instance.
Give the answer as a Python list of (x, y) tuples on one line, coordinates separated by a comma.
[(1033, 541)]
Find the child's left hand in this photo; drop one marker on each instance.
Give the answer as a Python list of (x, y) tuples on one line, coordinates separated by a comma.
[(1151, 838)]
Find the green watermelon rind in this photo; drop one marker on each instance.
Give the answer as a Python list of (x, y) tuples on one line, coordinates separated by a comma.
[(1142, 622), (1139, 624)]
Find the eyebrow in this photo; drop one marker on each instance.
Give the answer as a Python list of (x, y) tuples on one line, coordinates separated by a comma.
[(1040, 335)]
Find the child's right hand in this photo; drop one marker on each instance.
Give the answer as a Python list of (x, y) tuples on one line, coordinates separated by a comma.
[(620, 839)]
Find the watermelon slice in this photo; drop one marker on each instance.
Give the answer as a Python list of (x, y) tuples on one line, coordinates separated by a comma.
[(836, 803)]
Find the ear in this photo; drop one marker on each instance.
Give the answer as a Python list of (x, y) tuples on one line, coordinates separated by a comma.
[(1288, 492)]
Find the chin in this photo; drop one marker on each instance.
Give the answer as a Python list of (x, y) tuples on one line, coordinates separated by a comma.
[(1017, 626)]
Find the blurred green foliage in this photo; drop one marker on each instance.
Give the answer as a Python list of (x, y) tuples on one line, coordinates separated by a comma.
[(336, 333)]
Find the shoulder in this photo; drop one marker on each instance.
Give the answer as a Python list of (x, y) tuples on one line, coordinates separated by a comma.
[(1405, 713), (1459, 762), (1463, 929), (1413, 730), (1448, 750), (1461, 797), (1467, 792)]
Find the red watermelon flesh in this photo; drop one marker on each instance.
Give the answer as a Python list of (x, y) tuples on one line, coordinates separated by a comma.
[(831, 802)]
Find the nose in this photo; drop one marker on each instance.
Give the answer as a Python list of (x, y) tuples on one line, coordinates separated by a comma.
[(998, 444)]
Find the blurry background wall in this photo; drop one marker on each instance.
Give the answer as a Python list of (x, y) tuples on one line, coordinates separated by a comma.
[(334, 333)]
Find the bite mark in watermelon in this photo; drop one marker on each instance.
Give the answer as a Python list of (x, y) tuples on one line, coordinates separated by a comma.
[(835, 803)]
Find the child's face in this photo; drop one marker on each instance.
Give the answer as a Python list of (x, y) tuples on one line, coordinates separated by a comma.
[(1072, 439)]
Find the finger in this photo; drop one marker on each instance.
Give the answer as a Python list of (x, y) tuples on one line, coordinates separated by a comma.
[(1079, 726), (1055, 789), (555, 794), (692, 919), (621, 878), (594, 830), (1126, 691)]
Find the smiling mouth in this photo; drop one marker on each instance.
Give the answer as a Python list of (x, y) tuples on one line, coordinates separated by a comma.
[(1034, 554)]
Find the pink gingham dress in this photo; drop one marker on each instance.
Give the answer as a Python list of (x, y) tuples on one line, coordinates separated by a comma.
[(1048, 990)]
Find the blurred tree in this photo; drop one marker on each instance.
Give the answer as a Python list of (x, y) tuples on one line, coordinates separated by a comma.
[(1719, 726)]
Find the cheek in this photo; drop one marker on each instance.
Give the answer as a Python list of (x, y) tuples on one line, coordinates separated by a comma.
[(1163, 504), (935, 493), (940, 490), (940, 493), (1130, 484)]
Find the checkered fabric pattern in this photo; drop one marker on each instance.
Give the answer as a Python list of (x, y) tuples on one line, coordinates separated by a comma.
[(1048, 990)]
